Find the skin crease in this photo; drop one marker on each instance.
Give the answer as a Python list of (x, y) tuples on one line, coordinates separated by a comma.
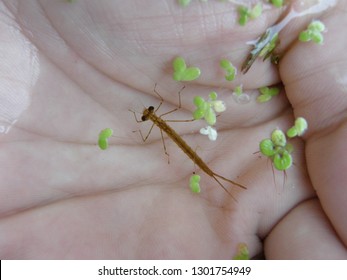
[(64, 198)]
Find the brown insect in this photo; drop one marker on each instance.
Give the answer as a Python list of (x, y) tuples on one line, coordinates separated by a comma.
[(150, 114)]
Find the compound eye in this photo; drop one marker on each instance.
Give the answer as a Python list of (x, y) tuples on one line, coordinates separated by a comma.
[(144, 118), (151, 108)]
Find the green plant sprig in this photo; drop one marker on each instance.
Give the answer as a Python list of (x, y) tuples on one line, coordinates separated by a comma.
[(277, 3), (182, 72), (103, 138), (207, 109), (299, 128), (245, 13), (194, 183), (277, 149), (242, 252), (229, 68), (313, 32), (267, 93)]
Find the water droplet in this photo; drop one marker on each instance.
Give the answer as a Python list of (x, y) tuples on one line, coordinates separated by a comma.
[(243, 98)]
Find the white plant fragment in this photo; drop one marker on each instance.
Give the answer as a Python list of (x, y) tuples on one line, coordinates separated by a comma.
[(210, 132)]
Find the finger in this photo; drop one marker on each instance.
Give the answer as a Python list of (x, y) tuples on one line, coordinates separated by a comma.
[(317, 91), (305, 233)]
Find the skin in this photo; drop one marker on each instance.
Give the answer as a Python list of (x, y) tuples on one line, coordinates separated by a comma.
[(77, 68)]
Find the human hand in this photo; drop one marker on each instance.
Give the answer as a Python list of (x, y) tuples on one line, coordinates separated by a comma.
[(82, 66)]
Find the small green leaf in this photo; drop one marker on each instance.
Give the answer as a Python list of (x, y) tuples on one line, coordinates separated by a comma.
[(208, 109), (179, 64), (199, 101), (292, 132), (256, 11), (195, 187), (106, 133), (230, 76), (267, 147), (198, 114), (213, 95), (305, 36), (273, 91), (278, 138), (264, 98), (313, 32), (103, 144), (191, 74), (316, 25), (317, 37), (194, 183), (267, 93), (277, 3), (103, 138), (300, 125), (201, 105), (225, 64), (188, 74), (243, 15), (184, 2), (243, 20), (210, 116), (242, 252), (195, 178), (282, 161), (229, 68), (177, 76), (264, 90), (182, 73), (299, 128)]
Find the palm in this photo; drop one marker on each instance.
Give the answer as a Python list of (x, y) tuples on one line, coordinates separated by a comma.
[(64, 198)]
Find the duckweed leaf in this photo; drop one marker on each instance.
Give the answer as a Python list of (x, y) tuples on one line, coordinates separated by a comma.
[(182, 72), (282, 161)]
